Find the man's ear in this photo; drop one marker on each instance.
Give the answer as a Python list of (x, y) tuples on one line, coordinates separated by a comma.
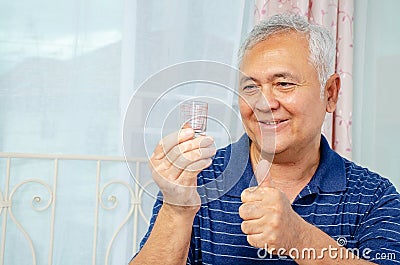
[(332, 88)]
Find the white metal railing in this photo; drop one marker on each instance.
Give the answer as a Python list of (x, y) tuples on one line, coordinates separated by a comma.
[(40, 203)]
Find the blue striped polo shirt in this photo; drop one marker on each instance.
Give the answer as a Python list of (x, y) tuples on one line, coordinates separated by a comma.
[(356, 207)]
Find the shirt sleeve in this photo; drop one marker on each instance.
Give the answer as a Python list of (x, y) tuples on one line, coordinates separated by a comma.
[(156, 209), (379, 232)]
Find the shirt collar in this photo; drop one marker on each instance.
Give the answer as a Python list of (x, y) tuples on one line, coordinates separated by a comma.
[(330, 175), (238, 173)]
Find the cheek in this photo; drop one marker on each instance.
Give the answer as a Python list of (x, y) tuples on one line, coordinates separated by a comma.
[(316, 108), (309, 113), (245, 110), (304, 104)]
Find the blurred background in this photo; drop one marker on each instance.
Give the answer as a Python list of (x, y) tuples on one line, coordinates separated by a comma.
[(68, 70)]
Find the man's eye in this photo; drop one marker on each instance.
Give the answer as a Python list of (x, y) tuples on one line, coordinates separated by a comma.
[(285, 84), (249, 88)]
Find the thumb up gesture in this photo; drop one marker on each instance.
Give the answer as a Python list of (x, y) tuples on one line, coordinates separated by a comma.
[(268, 218)]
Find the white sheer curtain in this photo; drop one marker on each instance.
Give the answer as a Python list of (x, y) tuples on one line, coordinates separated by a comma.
[(67, 72), (69, 68), (376, 92)]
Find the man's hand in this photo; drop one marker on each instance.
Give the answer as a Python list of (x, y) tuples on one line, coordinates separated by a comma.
[(175, 163), (268, 218)]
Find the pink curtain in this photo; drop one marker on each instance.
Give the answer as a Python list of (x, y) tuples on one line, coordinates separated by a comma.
[(337, 15)]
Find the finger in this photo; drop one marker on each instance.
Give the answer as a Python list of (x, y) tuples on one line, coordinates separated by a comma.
[(262, 174), (250, 211), (256, 193), (188, 158), (173, 174), (198, 160), (187, 146), (251, 227), (184, 178), (187, 177), (257, 240), (174, 171), (164, 169), (171, 140), (199, 165)]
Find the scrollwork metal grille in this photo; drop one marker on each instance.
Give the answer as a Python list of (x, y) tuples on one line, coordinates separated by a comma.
[(43, 203)]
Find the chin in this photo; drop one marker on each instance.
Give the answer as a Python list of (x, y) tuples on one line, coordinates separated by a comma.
[(275, 149), (268, 149)]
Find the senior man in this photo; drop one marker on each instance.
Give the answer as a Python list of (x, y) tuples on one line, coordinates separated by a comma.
[(311, 206)]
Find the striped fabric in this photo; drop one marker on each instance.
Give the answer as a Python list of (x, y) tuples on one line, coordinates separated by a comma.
[(356, 207)]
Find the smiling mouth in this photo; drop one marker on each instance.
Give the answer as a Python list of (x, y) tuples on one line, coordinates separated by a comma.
[(272, 122)]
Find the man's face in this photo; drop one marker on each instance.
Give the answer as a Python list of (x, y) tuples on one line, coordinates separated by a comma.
[(280, 95)]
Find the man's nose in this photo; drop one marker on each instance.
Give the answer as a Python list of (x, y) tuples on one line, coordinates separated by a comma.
[(267, 100)]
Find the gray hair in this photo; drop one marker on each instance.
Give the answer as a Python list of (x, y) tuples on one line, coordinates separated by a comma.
[(321, 44)]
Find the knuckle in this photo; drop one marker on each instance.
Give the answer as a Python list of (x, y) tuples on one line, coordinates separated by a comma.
[(187, 146), (160, 147), (180, 162), (244, 196), (274, 213), (175, 149), (251, 240), (181, 148), (278, 210), (273, 239), (274, 224), (242, 211), (258, 243), (244, 227), (196, 155)]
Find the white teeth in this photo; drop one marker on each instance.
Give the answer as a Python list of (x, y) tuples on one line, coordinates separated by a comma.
[(271, 122)]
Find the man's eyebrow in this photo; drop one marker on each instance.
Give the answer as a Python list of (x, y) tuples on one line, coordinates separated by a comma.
[(288, 75), (284, 75), (246, 78)]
